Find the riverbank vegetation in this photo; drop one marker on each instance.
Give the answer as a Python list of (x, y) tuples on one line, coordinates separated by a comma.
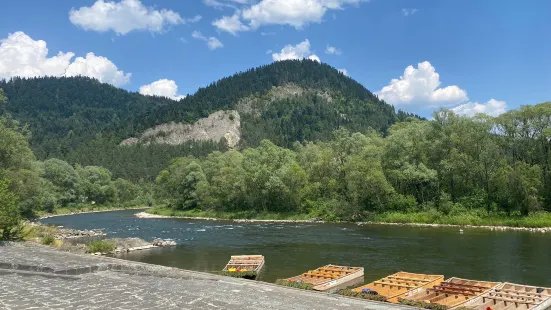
[(295, 284), (29, 187), (453, 170), (101, 246), (363, 295)]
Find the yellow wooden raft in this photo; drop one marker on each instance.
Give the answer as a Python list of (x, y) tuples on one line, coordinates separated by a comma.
[(330, 276), (245, 263), (509, 296), (401, 285), (454, 292)]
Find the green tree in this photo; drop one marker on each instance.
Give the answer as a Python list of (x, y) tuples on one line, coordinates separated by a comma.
[(10, 217), (516, 188), (405, 161), (64, 178), (194, 179), (126, 190), (95, 185)]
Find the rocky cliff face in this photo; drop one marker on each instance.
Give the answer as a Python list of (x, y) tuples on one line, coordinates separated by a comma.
[(218, 125), (223, 124)]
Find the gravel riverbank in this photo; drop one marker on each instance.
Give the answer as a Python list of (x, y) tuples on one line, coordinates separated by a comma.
[(494, 228), (85, 212), (146, 215)]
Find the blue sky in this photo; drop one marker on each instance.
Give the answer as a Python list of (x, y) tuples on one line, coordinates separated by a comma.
[(473, 56)]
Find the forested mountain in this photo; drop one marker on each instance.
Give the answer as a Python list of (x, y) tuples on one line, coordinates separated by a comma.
[(83, 121)]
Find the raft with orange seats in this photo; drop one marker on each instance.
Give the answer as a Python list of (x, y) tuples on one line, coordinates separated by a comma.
[(453, 292), (510, 296), (401, 285), (331, 278)]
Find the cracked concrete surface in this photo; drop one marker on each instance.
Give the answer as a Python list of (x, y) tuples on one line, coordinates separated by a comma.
[(37, 277)]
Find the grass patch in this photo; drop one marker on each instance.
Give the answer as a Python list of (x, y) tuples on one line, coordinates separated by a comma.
[(47, 240), (101, 246), (244, 274), (238, 215), (421, 304), (32, 232), (82, 208), (473, 217), (295, 284), (363, 295)]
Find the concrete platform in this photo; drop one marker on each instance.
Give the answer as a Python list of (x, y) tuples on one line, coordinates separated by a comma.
[(36, 277)]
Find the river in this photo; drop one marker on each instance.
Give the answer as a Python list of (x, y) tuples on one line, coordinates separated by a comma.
[(290, 249)]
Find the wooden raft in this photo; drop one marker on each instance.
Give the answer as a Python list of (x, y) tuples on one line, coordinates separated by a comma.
[(454, 292), (331, 277), (245, 263), (401, 285), (509, 296)]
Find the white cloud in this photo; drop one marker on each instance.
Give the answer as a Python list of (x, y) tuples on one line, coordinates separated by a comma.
[(98, 67), (343, 71), (295, 13), (421, 86), (194, 19), (212, 42), (299, 51), (163, 88), (230, 24), (493, 108), (22, 56), (314, 58), (225, 3), (125, 16), (408, 12), (331, 50)]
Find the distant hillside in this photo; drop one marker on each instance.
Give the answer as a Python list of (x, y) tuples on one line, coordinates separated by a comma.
[(84, 121)]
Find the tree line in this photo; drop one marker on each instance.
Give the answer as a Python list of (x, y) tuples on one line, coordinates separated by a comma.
[(29, 186), (449, 165)]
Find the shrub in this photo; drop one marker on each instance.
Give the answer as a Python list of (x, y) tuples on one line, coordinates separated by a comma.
[(363, 295), (47, 240), (421, 304), (295, 284), (10, 213), (102, 246), (243, 274)]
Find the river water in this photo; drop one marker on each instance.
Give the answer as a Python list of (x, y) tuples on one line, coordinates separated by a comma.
[(290, 249)]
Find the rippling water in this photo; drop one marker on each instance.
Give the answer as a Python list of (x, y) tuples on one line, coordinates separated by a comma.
[(290, 249)]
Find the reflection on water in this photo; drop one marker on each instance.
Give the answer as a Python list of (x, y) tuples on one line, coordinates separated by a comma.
[(290, 249)]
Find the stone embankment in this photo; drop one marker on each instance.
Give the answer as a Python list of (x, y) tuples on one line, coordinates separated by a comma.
[(75, 241), (64, 233), (125, 245), (496, 228), (39, 277)]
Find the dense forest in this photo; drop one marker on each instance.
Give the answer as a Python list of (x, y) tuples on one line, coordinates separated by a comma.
[(29, 187), (449, 166), (81, 120)]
